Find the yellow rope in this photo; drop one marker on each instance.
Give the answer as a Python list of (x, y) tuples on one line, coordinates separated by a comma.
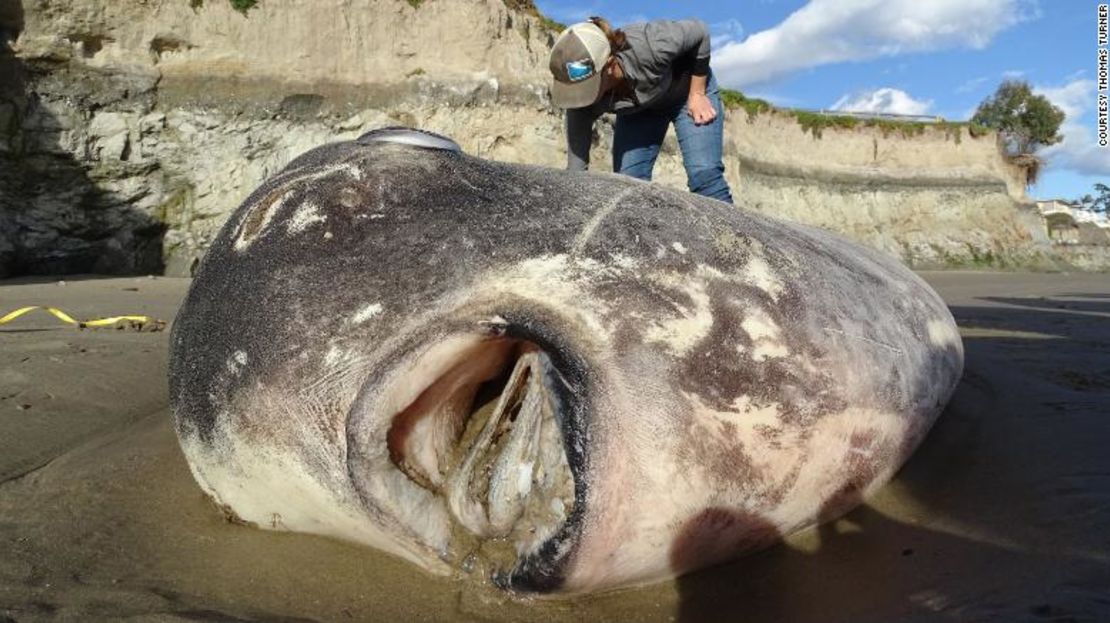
[(66, 318)]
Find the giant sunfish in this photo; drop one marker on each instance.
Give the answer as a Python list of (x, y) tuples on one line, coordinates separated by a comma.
[(567, 381)]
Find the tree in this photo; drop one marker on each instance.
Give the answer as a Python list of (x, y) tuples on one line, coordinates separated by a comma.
[(1025, 121), (1093, 203), (1101, 203)]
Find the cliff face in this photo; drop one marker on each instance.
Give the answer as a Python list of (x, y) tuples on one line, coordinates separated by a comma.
[(937, 198), (129, 129), (307, 41)]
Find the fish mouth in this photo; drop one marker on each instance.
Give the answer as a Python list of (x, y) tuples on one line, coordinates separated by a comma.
[(485, 432)]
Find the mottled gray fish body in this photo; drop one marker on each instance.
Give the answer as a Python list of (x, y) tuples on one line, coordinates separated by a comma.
[(573, 381)]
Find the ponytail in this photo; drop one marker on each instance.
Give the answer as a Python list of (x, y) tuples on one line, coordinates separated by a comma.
[(617, 40)]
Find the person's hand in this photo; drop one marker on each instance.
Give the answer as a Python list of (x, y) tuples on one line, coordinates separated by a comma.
[(700, 108)]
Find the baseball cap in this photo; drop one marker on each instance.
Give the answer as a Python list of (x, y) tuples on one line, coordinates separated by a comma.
[(577, 58)]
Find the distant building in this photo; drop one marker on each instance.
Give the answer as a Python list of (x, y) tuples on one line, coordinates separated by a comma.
[(1068, 223)]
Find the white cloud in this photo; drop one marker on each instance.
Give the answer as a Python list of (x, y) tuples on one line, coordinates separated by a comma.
[(834, 31), (1079, 151), (884, 100), (1075, 75), (1074, 98)]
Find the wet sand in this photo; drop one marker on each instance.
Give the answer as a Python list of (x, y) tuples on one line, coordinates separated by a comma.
[(1002, 515)]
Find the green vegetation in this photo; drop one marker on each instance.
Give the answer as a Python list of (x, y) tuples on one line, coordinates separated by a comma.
[(1099, 203), (973, 259), (552, 25), (815, 123), (736, 99), (174, 208), (419, 71), (985, 260), (977, 129), (529, 7), (1025, 121)]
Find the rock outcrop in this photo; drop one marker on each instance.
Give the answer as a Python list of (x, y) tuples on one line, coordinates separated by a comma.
[(130, 129)]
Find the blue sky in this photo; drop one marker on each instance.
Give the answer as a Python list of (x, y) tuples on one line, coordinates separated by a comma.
[(935, 57)]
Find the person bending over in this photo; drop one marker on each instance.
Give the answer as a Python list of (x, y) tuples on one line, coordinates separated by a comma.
[(650, 75)]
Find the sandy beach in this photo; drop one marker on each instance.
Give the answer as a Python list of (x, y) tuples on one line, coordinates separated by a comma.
[(1001, 515)]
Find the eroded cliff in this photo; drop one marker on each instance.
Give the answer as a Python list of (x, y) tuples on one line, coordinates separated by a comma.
[(130, 129)]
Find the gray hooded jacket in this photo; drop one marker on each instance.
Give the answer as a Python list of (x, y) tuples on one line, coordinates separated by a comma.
[(658, 61)]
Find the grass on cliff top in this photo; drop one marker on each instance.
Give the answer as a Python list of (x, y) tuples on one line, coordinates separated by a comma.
[(816, 123)]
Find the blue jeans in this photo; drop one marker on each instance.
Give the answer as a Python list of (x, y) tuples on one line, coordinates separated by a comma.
[(637, 138)]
